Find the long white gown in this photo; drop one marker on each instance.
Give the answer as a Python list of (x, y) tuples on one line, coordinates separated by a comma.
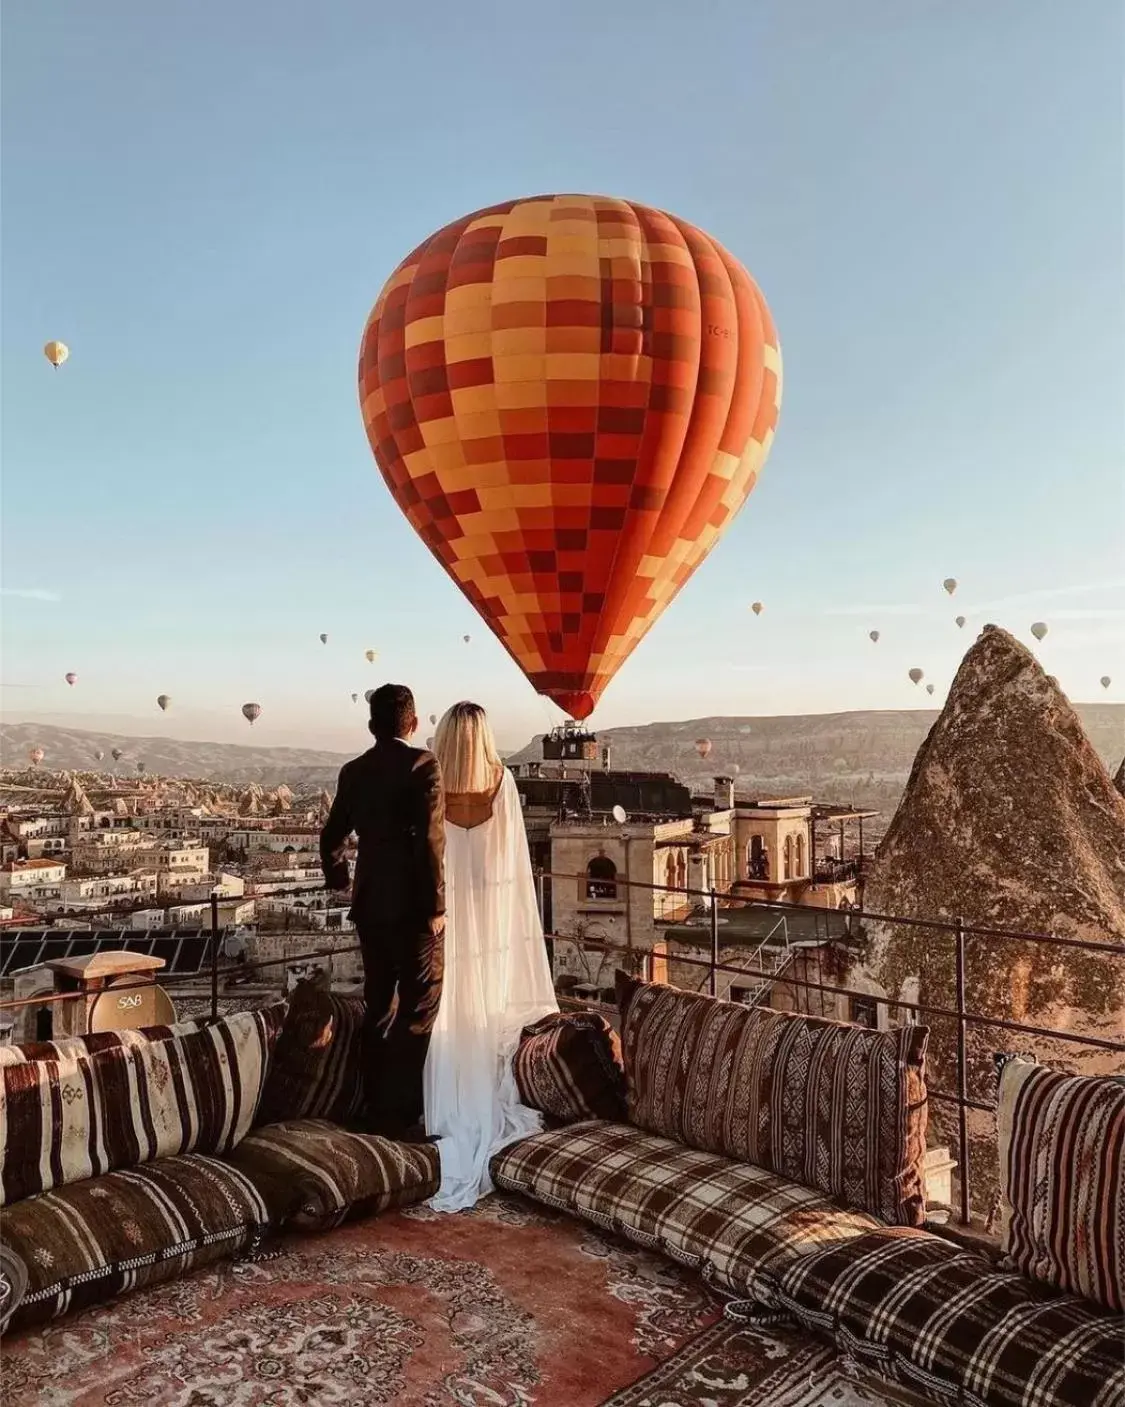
[(497, 980)]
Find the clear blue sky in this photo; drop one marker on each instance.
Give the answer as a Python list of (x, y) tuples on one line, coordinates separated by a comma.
[(204, 199)]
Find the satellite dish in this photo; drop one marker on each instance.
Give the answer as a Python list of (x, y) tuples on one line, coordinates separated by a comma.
[(619, 815), (117, 1010)]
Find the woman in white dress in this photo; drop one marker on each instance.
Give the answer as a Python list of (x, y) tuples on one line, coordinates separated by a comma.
[(497, 975)]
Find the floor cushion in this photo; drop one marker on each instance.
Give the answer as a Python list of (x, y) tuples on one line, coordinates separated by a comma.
[(568, 1066), (315, 1174), (317, 1067), (1062, 1179), (88, 1241), (81, 1114), (13, 1284), (92, 1042), (725, 1218), (946, 1322)]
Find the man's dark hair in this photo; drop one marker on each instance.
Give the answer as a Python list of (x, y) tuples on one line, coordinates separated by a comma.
[(392, 711)]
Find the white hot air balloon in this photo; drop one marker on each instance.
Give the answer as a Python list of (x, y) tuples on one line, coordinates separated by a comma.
[(960, 621), (1039, 629), (950, 584), (71, 678), (56, 353), (370, 656), (916, 676), (873, 636), (35, 755), (1105, 681)]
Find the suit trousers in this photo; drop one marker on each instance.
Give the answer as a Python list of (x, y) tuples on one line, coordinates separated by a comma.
[(403, 967)]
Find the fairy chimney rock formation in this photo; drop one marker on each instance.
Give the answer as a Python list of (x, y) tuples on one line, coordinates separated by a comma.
[(1010, 820), (1119, 778)]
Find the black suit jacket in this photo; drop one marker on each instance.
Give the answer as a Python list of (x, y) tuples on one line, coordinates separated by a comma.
[(392, 798)]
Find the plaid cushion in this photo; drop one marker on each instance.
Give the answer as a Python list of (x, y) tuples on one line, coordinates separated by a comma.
[(1062, 1179), (317, 1175), (317, 1067), (72, 1117), (722, 1217), (944, 1321), (88, 1242), (837, 1107), (568, 1065)]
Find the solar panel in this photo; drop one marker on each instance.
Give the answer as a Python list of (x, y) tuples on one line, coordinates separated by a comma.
[(165, 948)]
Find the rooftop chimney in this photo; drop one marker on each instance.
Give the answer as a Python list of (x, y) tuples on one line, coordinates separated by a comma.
[(724, 793)]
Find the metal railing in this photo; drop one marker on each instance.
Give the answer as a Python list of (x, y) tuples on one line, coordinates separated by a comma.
[(960, 1014)]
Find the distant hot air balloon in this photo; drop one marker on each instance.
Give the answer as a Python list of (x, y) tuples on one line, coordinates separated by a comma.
[(429, 744), (56, 353), (1105, 681), (466, 638), (140, 767), (367, 695), (703, 746), (929, 688), (916, 676), (662, 371), (71, 678), (324, 639), (950, 584), (960, 622), (117, 754), (1039, 629), (36, 755), (98, 754), (736, 769), (370, 656), (163, 701), (250, 711), (433, 717), (355, 698), (873, 635), (757, 608)]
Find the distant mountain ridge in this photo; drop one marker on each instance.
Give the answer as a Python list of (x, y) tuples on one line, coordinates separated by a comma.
[(864, 757)]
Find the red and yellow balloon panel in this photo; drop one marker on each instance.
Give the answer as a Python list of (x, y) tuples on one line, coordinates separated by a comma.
[(570, 397)]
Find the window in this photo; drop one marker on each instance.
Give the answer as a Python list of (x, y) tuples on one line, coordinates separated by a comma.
[(865, 1012), (601, 878), (788, 871), (757, 858), (800, 856)]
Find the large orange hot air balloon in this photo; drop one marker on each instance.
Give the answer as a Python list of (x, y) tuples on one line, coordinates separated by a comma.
[(570, 397)]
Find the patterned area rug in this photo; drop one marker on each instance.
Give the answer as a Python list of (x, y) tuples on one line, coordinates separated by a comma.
[(504, 1306), (728, 1365)]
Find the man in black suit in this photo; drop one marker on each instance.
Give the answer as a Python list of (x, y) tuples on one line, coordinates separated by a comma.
[(391, 797)]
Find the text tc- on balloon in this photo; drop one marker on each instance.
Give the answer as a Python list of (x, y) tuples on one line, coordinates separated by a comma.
[(570, 397)]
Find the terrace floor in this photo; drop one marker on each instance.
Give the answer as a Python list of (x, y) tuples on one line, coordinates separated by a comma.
[(505, 1306)]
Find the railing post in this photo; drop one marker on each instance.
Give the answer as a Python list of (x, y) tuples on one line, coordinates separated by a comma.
[(714, 945), (214, 955), (962, 1073)]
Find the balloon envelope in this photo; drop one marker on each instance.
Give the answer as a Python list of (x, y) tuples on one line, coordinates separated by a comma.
[(71, 678), (873, 635), (36, 755), (950, 584), (757, 608), (1039, 629), (98, 754), (163, 701), (324, 639), (370, 656), (433, 717), (56, 353), (960, 622), (916, 676), (929, 688), (1105, 681), (117, 754), (703, 746), (250, 711), (355, 698), (570, 397)]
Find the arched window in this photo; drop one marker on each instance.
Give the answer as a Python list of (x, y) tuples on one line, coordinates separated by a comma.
[(800, 857), (601, 878), (681, 871), (670, 876), (757, 858), (788, 872)]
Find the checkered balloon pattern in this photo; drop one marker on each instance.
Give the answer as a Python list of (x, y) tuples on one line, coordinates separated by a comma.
[(570, 397)]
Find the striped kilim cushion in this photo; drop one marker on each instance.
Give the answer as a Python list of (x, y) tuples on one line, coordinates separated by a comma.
[(945, 1322), (837, 1107), (72, 1118), (96, 1041), (1062, 1176), (724, 1218), (316, 1174), (568, 1066), (317, 1067), (13, 1284), (85, 1243)]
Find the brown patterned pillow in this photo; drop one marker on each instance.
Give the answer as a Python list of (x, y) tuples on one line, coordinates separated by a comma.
[(317, 1066), (63, 1120), (568, 1065), (1062, 1179), (836, 1107), (95, 1041)]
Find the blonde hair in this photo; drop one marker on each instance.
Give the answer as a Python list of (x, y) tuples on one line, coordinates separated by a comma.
[(466, 750)]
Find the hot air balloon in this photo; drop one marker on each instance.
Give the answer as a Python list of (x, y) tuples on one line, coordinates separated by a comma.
[(367, 695), (250, 711), (466, 638), (929, 688), (429, 744), (950, 584), (56, 353), (757, 608), (163, 701), (703, 746), (370, 656), (1039, 629), (98, 754), (606, 379), (433, 717), (117, 754), (140, 768), (873, 635), (355, 698), (71, 678), (35, 755), (324, 639), (1105, 681), (960, 621), (916, 676)]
